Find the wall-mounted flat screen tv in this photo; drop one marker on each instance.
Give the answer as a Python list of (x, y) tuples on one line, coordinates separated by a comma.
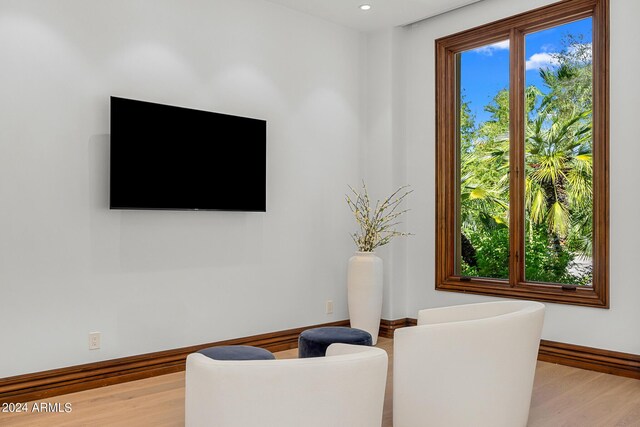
[(167, 157)]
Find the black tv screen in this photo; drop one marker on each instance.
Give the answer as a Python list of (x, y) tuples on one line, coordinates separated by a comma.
[(167, 157)]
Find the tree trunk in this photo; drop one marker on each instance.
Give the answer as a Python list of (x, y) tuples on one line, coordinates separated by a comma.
[(467, 251)]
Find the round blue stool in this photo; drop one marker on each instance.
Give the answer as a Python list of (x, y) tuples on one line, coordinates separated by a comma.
[(314, 342), (237, 352)]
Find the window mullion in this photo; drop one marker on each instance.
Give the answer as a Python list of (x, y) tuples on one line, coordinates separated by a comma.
[(457, 97), (601, 151), (517, 123)]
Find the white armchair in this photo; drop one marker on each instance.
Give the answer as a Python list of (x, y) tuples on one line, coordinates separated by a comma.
[(345, 388), (467, 365)]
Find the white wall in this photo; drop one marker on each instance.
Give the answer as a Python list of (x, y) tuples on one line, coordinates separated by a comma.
[(383, 157), (154, 280), (616, 328)]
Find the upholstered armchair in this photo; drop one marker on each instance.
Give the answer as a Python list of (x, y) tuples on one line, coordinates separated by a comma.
[(345, 388), (467, 365)]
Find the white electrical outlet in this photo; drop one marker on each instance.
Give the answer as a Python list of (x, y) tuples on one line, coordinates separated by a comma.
[(94, 340), (329, 307)]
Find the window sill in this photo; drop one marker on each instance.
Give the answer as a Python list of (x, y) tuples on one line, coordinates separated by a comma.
[(545, 293)]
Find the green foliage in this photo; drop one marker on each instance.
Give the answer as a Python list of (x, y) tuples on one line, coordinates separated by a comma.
[(543, 262), (570, 84), (559, 172), (492, 251)]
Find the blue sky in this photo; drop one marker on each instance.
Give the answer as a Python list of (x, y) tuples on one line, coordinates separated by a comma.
[(485, 71)]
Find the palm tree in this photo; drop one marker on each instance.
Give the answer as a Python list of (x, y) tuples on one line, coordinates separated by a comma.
[(559, 168), (558, 181)]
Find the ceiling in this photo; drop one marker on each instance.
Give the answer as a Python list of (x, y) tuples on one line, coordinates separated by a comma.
[(383, 13)]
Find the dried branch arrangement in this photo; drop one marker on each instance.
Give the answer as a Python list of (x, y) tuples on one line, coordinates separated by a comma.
[(377, 224)]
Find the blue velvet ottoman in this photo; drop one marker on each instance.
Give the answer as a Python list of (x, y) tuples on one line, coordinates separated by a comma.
[(237, 352), (314, 342)]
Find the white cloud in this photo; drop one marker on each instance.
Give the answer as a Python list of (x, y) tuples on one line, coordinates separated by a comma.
[(541, 60), (581, 51), (489, 49), (548, 47)]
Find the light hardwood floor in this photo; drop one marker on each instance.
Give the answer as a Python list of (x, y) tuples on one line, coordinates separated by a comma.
[(562, 396)]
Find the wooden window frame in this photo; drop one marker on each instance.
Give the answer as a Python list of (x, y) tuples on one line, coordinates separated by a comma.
[(514, 29)]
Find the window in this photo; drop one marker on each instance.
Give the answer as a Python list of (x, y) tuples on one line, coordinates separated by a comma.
[(522, 156)]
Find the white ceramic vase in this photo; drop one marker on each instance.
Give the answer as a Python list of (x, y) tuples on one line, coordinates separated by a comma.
[(364, 291)]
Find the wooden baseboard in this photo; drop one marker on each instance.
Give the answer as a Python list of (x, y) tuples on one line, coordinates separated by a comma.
[(387, 327), (593, 359), (41, 385)]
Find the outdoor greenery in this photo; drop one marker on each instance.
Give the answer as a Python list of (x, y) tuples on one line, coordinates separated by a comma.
[(558, 184)]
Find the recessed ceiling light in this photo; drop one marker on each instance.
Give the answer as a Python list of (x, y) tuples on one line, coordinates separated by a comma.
[(365, 6)]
